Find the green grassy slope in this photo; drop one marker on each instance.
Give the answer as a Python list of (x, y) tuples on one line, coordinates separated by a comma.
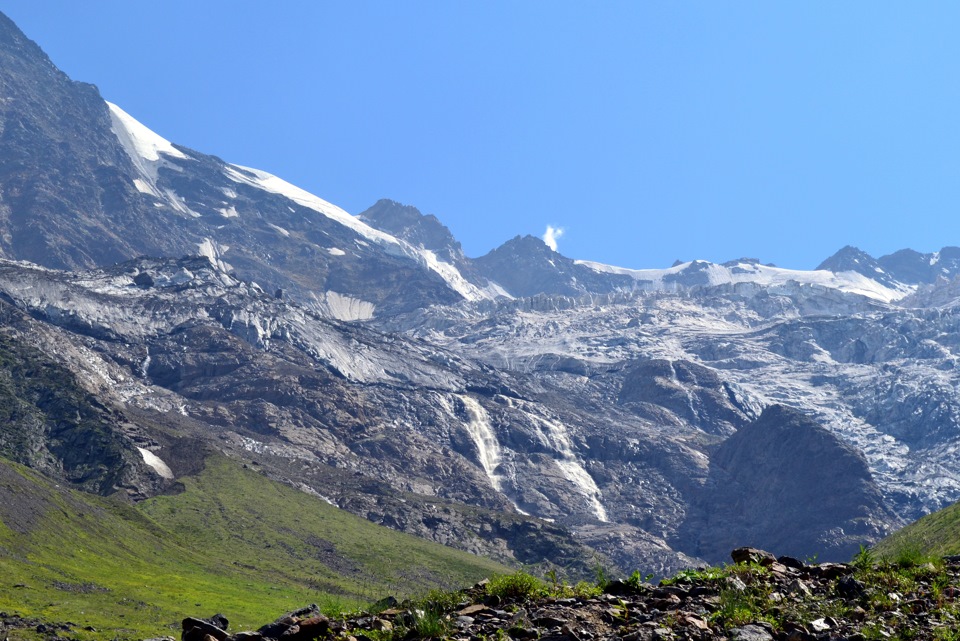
[(233, 542), (936, 534)]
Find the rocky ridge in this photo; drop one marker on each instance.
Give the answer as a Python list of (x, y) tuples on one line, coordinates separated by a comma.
[(759, 598)]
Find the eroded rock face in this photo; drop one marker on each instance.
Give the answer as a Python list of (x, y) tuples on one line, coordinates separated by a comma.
[(694, 394), (51, 423), (520, 466), (784, 482)]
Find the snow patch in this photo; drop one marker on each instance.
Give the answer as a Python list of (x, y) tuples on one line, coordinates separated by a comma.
[(393, 245), (144, 187), (147, 151), (145, 148), (280, 230), (156, 463), (711, 274), (214, 250), (138, 139), (336, 251), (178, 203), (346, 308), (452, 275), (273, 184)]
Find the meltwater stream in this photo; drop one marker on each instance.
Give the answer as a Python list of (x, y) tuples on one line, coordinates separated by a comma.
[(557, 437), (483, 437)]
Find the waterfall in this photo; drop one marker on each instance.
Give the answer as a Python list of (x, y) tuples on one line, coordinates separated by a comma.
[(488, 449), (557, 438), (145, 365)]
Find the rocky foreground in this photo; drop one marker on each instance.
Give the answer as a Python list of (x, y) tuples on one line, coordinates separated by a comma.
[(759, 598)]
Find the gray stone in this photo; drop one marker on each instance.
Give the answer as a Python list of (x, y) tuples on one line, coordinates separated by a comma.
[(752, 555), (750, 633)]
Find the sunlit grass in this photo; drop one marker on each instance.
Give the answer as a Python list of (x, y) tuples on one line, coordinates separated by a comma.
[(233, 542)]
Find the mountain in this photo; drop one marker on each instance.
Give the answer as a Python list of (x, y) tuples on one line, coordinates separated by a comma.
[(904, 267), (525, 267), (87, 185), (851, 259), (913, 267), (161, 307), (407, 223)]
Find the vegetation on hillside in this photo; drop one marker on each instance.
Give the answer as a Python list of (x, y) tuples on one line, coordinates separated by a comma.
[(936, 534), (233, 542)]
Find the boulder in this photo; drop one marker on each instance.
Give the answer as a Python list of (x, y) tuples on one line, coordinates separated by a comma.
[(752, 555)]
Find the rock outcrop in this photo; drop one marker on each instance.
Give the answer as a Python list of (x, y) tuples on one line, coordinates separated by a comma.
[(784, 482)]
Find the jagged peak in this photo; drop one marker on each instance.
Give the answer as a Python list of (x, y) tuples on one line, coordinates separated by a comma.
[(410, 224), (848, 258), (526, 244)]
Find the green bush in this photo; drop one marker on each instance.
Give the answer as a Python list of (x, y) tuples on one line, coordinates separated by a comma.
[(430, 624), (441, 601), (865, 559), (911, 556), (518, 586)]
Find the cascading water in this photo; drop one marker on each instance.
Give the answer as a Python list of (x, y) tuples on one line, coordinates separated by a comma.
[(557, 438), (488, 449)]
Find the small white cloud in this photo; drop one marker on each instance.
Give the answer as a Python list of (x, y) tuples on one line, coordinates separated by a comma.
[(551, 235)]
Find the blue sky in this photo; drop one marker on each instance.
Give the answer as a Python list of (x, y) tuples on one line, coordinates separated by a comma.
[(648, 131)]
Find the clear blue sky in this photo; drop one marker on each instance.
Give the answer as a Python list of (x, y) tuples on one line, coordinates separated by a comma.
[(650, 131)]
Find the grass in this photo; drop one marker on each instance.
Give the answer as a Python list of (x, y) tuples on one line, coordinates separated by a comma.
[(935, 535), (232, 542), (707, 575)]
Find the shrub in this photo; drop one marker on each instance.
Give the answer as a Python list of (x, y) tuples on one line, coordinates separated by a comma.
[(865, 559), (441, 601), (518, 586)]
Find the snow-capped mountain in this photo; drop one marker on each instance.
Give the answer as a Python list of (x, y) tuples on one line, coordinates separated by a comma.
[(906, 266), (86, 184), (522, 404)]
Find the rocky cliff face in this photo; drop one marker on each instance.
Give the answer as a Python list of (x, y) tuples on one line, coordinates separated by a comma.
[(64, 173), (84, 185), (522, 464), (760, 491), (693, 394), (406, 222)]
